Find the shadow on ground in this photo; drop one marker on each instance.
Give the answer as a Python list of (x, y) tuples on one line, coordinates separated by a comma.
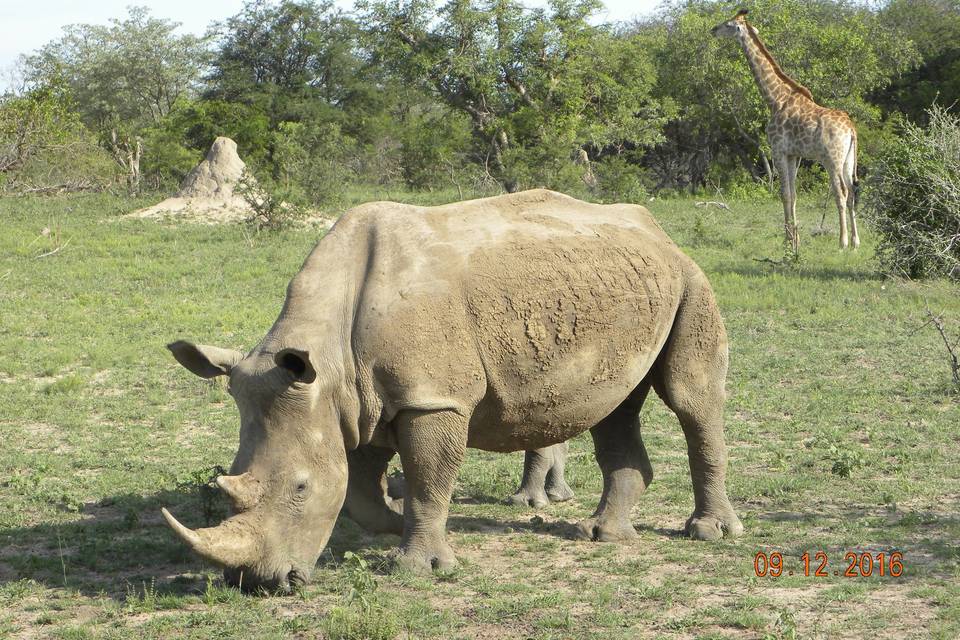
[(121, 543)]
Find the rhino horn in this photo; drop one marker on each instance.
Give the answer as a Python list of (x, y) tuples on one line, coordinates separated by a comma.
[(244, 490), (231, 544)]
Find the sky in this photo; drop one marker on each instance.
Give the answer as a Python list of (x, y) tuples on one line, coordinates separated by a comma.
[(26, 25)]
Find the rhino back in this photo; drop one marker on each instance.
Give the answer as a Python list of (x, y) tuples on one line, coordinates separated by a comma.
[(535, 313)]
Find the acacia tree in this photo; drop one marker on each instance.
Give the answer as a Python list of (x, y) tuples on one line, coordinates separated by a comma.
[(546, 92), (122, 77)]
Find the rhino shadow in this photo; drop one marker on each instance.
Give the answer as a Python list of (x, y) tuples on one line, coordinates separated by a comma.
[(121, 546)]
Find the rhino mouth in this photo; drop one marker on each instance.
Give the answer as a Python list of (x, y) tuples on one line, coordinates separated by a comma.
[(282, 583), (296, 579)]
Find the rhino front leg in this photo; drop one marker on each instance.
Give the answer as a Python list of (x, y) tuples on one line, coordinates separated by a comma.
[(557, 488), (543, 479), (367, 502), (432, 445), (626, 472)]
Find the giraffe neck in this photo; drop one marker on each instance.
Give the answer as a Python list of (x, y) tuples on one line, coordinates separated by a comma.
[(776, 87)]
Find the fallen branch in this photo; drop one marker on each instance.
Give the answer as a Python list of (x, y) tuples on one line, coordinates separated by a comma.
[(65, 187), (778, 263), (54, 251), (713, 203)]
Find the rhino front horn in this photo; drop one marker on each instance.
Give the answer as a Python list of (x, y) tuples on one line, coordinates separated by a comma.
[(227, 545)]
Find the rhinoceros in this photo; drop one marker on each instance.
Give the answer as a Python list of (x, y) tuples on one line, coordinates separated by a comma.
[(506, 323)]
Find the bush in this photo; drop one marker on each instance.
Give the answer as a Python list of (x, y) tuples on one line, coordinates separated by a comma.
[(274, 206), (619, 180), (45, 146), (912, 198), (313, 159)]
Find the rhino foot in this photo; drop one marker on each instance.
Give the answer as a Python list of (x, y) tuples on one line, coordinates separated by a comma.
[(420, 560), (604, 530), (708, 527), (529, 498), (559, 492)]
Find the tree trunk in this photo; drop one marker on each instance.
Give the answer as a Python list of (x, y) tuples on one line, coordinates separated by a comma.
[(767, 169), (127, 152)]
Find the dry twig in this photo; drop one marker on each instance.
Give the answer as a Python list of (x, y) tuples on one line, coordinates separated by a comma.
[(53, 251), (952, 349)]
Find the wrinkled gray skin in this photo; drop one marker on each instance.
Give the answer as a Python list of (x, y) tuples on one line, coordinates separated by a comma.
[(507, 323), (543, 480)]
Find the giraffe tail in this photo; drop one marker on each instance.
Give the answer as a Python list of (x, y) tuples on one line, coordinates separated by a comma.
[(856, 183)]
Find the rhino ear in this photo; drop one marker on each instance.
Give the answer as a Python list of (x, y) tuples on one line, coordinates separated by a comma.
[(204, 361), (297, 362)]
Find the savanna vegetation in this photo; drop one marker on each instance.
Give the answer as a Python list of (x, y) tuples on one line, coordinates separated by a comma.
[(465, 95), (842, 409), (841, 423)]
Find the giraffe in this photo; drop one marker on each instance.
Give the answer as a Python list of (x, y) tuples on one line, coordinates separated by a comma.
[(799, 127)]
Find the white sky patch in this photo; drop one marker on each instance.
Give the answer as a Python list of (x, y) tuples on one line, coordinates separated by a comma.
[(27, 25)]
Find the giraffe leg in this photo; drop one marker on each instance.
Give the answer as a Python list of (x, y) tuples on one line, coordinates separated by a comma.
[(840, 195), (787, 167)]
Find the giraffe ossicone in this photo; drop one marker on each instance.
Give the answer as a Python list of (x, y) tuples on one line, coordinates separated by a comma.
[(800, 128)]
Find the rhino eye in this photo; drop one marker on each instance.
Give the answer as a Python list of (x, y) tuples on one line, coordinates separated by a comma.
[(301, 486)]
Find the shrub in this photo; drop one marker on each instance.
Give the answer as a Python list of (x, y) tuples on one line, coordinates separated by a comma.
[(619, 180), (913, 199), (274, 207), (313, 159)]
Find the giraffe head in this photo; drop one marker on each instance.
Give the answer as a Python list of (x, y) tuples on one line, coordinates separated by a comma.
[(736, 27)]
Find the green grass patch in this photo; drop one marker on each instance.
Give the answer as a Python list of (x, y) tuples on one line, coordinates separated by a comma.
[(841, 427)]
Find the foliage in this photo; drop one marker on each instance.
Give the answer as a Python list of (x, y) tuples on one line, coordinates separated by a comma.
[(913, 199), (933, 26), (490, 95), (846, 460), (363, 586), (43, 143), (313, 158), (538, 86), (123, 77), (275, 206)]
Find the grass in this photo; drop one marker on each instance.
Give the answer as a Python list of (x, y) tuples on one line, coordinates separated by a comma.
[(841, 423)]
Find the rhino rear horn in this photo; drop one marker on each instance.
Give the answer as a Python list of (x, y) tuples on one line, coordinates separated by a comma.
[(244, 490)]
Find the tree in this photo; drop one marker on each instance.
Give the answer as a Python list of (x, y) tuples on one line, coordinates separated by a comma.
[(38, 121), (123, 77), (546, 92), (294, 66), (933, 26)]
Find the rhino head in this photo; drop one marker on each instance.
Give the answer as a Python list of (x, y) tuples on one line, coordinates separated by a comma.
[(289, 478)]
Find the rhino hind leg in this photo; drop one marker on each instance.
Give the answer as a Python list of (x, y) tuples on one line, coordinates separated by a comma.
[(543, 481), (626, 471), (368, 502), (690, 380), (432, 445)]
